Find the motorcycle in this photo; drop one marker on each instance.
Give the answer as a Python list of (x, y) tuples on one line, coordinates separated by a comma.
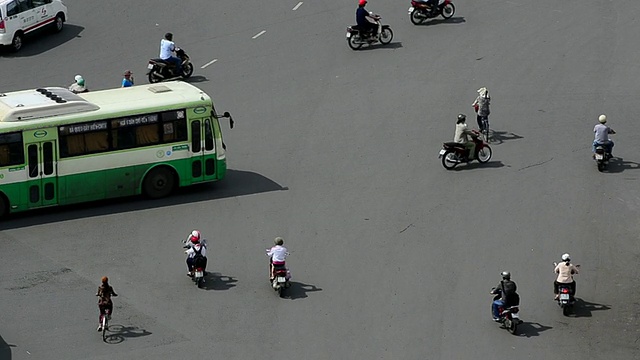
[(453, 153), (509, 317), (280, 279), (161, 70), (602, 155), (566, 299), (356, 37), (420, 11)]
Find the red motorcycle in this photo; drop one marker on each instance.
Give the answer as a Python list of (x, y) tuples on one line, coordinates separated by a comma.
[(420, 11), (454, 153)]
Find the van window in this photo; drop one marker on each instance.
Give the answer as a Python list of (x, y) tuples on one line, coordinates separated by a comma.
[(25, 5), (37, 3), (12, 9)]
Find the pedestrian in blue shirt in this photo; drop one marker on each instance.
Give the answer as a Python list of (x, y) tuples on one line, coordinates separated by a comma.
[(128, 79)]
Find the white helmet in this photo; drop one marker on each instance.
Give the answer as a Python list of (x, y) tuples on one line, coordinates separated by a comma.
[(602, 119), (567, 257)]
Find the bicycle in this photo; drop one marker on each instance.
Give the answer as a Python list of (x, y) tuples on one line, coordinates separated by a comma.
[(485, 128), (104, 322)]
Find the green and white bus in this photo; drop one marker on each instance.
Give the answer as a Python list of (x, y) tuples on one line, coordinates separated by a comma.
[(59, 148)]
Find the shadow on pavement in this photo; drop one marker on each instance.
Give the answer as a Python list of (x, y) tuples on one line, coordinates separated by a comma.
[(393, 45), (453, 20), (43, 40), (583, 308), (498, 137), (196, 79), (236, 183), (476, 165), (530, 329), (299, 290), (217, 281), (5, 349), (118, 333), (618, 165)]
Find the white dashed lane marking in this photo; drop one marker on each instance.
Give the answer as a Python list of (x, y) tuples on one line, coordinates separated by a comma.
[(209, 63), (297, 6), (258, 34)]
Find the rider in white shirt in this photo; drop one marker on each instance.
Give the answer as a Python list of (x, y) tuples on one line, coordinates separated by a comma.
[(602, 132), (278, 254), (195, 246), (167, 48)]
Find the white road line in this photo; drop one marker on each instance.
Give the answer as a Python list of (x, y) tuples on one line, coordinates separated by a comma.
[(209, 63), (297, 6), (258, 34)]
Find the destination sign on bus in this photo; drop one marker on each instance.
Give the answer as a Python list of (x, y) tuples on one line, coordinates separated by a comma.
[(83, 128)]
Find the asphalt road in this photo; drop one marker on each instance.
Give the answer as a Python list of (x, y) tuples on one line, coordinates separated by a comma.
[(392, 256)]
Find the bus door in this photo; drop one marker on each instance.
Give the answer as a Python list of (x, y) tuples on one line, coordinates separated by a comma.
[(203, 152), (42, 174)]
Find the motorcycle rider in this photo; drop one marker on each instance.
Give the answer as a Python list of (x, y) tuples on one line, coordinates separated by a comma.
[(105, 292), (565, 271), (433, 7), (278, 254), (462, 135), (167, 48), (602, 132), (367, 23), (508, 295), (196, 251), (78, 85)]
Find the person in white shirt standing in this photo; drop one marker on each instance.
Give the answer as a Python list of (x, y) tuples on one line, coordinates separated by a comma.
[(602, 132), (278, 254), (167, 48)]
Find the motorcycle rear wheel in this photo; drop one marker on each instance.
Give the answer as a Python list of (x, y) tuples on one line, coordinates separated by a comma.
[(153, 78), (565, 310), (484, 154), (449, 160), (386, 36), (416, 19), (601, 166), (353, 42), (448, 11)]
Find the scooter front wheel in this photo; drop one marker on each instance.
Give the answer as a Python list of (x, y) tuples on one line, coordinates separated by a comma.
[(386, 36), (448, 11)]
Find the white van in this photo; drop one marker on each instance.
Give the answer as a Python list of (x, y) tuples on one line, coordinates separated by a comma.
[(21, 17)]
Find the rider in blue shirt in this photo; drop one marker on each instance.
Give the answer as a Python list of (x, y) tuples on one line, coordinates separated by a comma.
[(364, 21)]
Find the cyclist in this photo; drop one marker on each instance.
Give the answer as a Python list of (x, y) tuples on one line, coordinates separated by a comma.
[(105, 291)]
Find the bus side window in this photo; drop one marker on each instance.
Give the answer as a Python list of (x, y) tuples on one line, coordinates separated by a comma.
[(195, 137), (208, 135), (11, 149)]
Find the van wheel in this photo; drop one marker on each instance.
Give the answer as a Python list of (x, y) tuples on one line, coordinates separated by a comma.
[(58, 24), (158, 183), (16, 44)]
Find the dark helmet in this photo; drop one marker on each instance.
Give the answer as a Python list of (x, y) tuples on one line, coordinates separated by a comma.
[(506, 275), (168, 36), (461, 118)]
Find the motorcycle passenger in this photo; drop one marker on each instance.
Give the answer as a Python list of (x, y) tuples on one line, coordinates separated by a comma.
[(508, 295), (78, 85), (105, 292), (602, 132), (565, 271), (481, 105), (167, 48), (366, 23), (462, 135), (278, 254), (196, 252)]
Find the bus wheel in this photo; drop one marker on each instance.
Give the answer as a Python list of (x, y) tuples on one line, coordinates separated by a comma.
[(158, 183), (3, 207)]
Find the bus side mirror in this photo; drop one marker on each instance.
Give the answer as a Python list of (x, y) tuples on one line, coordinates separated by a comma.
[(227, 115)]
